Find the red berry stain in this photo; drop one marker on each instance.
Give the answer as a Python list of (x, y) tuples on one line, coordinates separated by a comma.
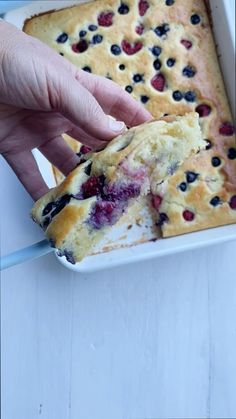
[(187, 44), (93, 186), (158, 82), (188, 215), (81, 46), (139, 29), (203, 110), (142, 7), (226, 129), (105, 19), (232, 202), (130, 49), (156, 201)]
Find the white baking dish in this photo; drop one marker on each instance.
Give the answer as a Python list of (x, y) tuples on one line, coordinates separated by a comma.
[(223, 11)]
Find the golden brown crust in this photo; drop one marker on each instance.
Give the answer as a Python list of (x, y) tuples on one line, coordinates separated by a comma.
[(206, 84)]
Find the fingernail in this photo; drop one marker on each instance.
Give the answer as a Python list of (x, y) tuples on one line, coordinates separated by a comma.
[(116, 126)]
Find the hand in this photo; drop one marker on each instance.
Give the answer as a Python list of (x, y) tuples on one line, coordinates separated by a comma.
[(42, 96)]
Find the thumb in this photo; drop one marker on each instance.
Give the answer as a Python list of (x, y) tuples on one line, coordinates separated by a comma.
[(77, 104)]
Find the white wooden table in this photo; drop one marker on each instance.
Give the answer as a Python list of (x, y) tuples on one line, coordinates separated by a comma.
[(154, 340)]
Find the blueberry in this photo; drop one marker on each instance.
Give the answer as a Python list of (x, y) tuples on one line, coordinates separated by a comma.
[(88, 169), (46, 222), (215, 161), (191, 176), (60, 204), (97, 39), (123, 9), (137, 78), (52, 243), (92, 28), (209, 144), (62, 38), (189, 71), (144, 99), (54, 208), (190, 96), (157, 64), (129, 89), (232, 153), (183, 186), (170, 62), (88, 69), (69, 256), (156, 51), (48, 208), (215, 201), (82, 34), (162, 30), (163, 218), (195, 19), (115, 49), (122, 67), (177, 95), (169, 2)]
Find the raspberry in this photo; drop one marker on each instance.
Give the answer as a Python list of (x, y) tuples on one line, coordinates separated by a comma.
[(81, 46), (131, 49), (232, 202), (142, 7), (158, 82), (105, 19), (187, 44), (93, 186), (203, 110), (139, 29), (226, 129), (188, 215)]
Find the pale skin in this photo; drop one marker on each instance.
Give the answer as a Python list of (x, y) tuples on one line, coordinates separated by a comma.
[(42, 96)]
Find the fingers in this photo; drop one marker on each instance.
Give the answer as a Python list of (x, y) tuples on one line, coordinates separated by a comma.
[(114, 100), (84, 138), (60, 155), (26, 169), (76, 103)]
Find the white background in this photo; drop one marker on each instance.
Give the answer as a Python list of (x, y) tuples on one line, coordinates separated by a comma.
[(151, 340)]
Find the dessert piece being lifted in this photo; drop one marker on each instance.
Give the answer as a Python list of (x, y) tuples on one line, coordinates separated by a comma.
[(79, 212)]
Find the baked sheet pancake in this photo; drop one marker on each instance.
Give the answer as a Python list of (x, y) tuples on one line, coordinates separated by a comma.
[(162, 52)]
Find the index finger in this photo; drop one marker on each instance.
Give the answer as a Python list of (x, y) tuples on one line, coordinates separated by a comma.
[(114, 100), (26, 169)]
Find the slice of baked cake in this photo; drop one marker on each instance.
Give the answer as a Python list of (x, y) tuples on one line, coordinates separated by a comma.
[(162, 52), (76, 214)]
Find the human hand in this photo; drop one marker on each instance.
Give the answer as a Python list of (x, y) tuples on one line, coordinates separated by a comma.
[(42, 96)]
